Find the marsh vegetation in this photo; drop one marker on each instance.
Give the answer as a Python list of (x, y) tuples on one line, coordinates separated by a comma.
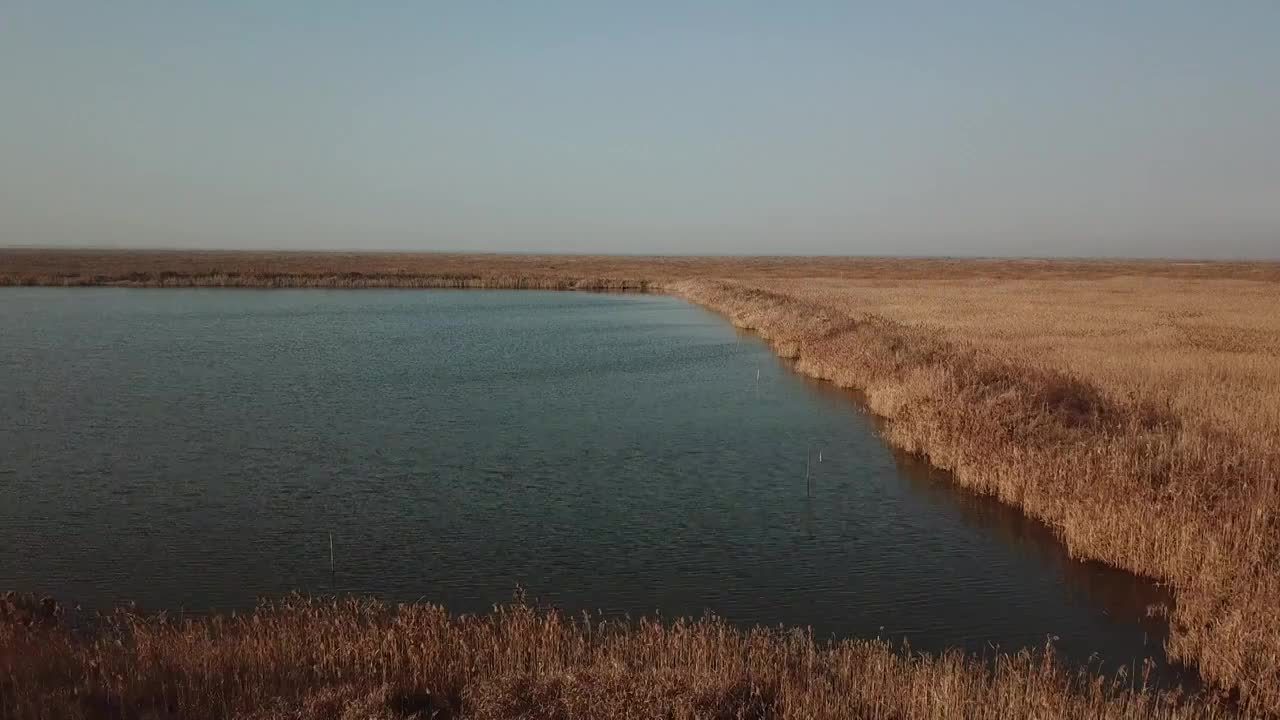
[(1134, 407), (347, 659)]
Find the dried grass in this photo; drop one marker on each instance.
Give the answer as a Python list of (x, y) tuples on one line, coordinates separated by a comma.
[(1132, 406), (353, 658)]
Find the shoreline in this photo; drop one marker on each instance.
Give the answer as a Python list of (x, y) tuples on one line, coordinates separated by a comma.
[(922, 420), (1050, 444)]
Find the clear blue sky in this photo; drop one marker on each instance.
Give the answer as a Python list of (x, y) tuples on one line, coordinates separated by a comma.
[(1141, 128)]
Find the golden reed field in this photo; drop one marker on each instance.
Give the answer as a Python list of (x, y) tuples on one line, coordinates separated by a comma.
[(1133, 407)]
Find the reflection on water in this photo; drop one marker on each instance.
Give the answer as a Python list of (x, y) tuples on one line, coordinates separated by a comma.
[(623, 454), (1124, 599)]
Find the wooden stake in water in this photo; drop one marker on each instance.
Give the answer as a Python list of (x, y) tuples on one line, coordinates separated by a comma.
[(331, 571)]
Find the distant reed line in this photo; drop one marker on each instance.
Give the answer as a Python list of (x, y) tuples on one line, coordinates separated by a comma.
[(351, 280)]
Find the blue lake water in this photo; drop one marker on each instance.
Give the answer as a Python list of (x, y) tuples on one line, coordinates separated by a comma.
[(197, 449)]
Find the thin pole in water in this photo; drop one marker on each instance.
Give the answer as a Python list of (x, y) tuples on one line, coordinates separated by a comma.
[(331, 571), (808, 484)]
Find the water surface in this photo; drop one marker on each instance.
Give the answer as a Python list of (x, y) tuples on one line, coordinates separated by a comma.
[(198, 448)]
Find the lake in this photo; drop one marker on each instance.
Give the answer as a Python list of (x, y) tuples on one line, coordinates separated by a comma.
[(626, 454)]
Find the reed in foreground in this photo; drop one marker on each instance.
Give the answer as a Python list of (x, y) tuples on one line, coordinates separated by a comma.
[(353, 658)]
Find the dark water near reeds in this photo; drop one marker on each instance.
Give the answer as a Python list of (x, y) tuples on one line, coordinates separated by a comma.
[(196, 448)]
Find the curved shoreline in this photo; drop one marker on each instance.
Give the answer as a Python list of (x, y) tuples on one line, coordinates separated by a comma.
[(1049, 444), (937, 403)]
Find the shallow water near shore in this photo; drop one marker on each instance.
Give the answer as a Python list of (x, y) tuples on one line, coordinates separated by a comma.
[(196, 449)]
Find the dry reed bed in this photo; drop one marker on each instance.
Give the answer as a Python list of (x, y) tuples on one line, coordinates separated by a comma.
[(1133, 483), (352, 658), (1132, 406)]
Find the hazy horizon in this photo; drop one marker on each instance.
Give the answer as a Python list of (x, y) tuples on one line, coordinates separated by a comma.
[(1144, 129)]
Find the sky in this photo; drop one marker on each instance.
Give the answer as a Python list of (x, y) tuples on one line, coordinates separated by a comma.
[(1108, 128)]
